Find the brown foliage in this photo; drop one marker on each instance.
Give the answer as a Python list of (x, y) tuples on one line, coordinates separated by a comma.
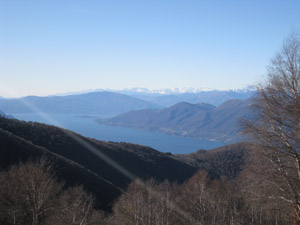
[(145, 203), (31, 194)]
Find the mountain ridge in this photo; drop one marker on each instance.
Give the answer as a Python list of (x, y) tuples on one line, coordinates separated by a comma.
[(169, 97), (89, 103), (202, 120), (158, 91)]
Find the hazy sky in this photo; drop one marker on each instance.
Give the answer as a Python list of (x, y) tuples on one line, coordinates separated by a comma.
[(49, 47)]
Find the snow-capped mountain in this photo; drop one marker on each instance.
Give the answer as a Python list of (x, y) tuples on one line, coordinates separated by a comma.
[(168, 97)]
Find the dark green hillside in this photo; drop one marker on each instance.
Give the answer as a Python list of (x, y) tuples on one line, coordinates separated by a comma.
[(227, 161), (15, 149), (21, 140), (143, 162)]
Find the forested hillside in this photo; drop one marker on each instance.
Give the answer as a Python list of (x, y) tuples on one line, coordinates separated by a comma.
[(21, 140), (158, 184)]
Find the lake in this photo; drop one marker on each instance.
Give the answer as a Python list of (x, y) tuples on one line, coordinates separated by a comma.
[(86, 126)]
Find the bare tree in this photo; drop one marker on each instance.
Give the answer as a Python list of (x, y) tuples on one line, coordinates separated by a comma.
[(211, 201), (276, 123), (145, 204), (30, 193), (75, 206)]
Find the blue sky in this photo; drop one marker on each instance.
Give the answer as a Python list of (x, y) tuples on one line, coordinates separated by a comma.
[(57, 46)]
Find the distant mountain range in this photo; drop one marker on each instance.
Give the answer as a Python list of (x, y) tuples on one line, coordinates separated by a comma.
[(106, 103), (201, 120), (162, 91), (103, 103), (169, 97), (213, 97)]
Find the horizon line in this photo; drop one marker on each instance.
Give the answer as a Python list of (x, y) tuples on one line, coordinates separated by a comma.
[(140, 90)]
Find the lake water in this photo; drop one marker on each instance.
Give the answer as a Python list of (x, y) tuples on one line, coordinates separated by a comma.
[(86, 126)]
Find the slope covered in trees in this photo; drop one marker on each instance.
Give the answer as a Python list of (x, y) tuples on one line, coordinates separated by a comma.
[(15, 149), (229, 160), (237, 199), (21, 140), (30, 193)]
